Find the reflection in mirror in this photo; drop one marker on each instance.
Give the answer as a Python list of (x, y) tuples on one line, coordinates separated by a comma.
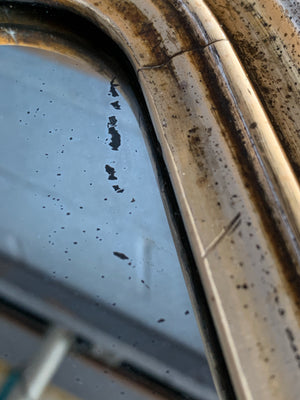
[(79, 199), (76, 379)]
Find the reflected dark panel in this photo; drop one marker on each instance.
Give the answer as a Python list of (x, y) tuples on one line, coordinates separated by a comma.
[(79, 200), (75, 375)]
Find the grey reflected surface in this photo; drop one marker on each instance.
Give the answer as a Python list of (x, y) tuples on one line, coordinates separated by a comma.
[(75, 375), (79, 199)]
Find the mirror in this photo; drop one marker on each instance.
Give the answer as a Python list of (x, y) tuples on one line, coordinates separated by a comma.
[(79, 199)]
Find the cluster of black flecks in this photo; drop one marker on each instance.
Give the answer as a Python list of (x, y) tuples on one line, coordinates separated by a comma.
[(115, 142)]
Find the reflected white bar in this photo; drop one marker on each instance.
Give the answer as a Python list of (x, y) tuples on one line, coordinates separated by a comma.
[(40, 371)]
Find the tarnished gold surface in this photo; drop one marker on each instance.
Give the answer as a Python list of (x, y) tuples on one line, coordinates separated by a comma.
[(268, 43), (232, 156)]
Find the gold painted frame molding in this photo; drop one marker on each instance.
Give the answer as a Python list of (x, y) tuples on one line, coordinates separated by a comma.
[(232, 172)]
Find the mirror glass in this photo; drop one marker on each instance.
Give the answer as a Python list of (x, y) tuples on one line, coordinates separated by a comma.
[(79, 199)]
